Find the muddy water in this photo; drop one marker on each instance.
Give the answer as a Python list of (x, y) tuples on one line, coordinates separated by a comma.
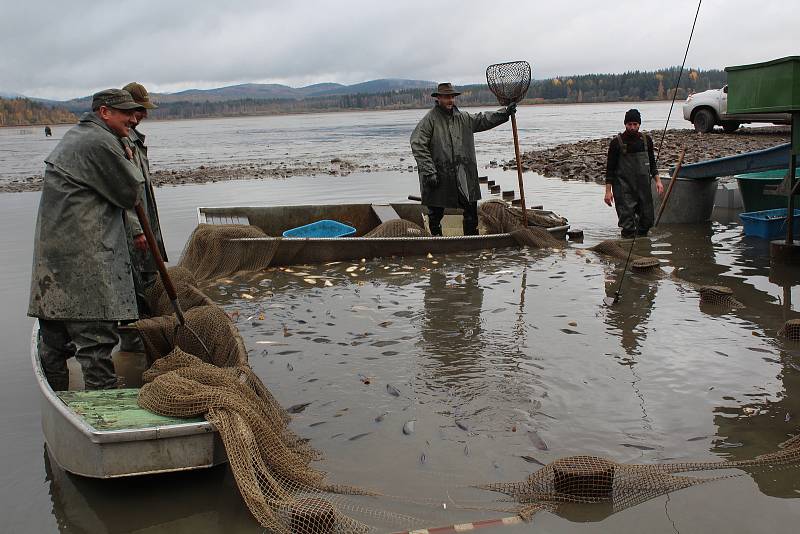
[(493, 356)]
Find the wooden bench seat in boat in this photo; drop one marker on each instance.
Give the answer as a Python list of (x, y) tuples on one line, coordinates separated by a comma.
[(115, 409), (226, 219), (385, 212)]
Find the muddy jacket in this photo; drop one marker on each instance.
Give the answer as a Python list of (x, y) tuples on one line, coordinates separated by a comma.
[(81, 264), (145, 261), (444, 146)]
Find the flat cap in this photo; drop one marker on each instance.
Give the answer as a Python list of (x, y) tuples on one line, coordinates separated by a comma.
[(139, 94), (114, 98)]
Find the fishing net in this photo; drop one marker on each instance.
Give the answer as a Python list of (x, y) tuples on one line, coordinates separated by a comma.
[(497, 217), (718, 297), (272, 465), (790, 330), (509, 81), (398, 228), (592, 479), (613, 249), (186, 287), (216, 250)]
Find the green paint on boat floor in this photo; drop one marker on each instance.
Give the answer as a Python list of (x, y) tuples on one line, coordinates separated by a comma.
[(116, 409)]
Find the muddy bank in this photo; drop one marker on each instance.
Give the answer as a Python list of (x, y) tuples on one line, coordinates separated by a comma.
[(586, 160), (219, 173)]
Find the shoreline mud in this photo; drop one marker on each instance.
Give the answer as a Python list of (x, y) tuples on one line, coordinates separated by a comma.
[(581, 160)]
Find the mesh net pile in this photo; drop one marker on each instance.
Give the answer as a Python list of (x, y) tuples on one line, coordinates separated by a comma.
[(790, 330), (216, 250), (497, 217), (613, 249), (718, 297), (398, 228), (592, 479)]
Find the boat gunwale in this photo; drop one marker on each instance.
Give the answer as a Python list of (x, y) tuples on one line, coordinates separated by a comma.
[(108, 436), (552, 230)]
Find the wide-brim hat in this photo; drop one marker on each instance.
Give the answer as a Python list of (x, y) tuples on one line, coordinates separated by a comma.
[(139, 94), (445, 89), (114, 98)]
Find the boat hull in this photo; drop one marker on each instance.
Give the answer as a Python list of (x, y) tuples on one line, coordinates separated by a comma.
[(296, 251), (84, 450)]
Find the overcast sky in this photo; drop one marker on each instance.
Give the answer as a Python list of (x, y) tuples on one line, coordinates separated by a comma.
[(62, 50)]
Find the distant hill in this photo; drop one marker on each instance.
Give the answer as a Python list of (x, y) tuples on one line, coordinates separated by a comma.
[(26, 112), (263, 91), (392, 93)]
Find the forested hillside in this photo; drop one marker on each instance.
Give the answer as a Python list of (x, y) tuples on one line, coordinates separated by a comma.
[(24, 112), (630, 86)]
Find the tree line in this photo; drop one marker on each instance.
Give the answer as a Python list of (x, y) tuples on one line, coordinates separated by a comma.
[(25, 112), (632, 86)]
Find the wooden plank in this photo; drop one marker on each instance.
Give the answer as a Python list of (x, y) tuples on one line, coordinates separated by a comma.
[(385, 212), (115, 409)]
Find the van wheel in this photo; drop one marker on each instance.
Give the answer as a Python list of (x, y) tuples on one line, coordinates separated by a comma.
[(703, 121), (730, 126)]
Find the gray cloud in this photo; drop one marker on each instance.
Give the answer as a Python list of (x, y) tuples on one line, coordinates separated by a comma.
[(66, 49)]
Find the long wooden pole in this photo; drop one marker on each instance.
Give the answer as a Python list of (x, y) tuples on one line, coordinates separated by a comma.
[(671, 185), (519, 170)]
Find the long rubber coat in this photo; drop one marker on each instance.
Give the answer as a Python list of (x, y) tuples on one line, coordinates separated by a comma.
[(81, 263), (441, 143)]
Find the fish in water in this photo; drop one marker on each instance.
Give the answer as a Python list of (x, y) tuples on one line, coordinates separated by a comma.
[(393, 391), (297, 408), (381, 417), (408, 427), (466, 449), (640, 447), (531, 460), (462, 425), (359, 436), (536, 440), (317, 423), (423, 459)]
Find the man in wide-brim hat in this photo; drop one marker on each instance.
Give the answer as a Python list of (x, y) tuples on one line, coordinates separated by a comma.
[(444, 147)]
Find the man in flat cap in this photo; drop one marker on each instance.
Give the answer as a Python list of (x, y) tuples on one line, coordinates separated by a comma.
[(630, 165), (444, 147), (82, 284), (144, 267)]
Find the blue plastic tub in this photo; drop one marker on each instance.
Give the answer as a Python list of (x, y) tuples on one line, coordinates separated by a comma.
[(323, 228), (768, 224)]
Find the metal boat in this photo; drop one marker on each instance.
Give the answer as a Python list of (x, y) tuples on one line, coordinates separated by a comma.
[(364, 218), (105, 434)]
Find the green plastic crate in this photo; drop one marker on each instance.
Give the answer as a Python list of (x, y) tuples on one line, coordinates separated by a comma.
[(768, 87), (751, 188)]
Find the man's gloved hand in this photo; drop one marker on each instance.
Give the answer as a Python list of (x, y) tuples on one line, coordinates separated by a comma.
[(432, 181), (511, 108)]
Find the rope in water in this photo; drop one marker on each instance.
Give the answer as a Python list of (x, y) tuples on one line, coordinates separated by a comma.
[(680, 74), (463, 527)]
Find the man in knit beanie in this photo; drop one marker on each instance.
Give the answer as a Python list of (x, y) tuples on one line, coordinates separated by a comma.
[(631, 165)]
